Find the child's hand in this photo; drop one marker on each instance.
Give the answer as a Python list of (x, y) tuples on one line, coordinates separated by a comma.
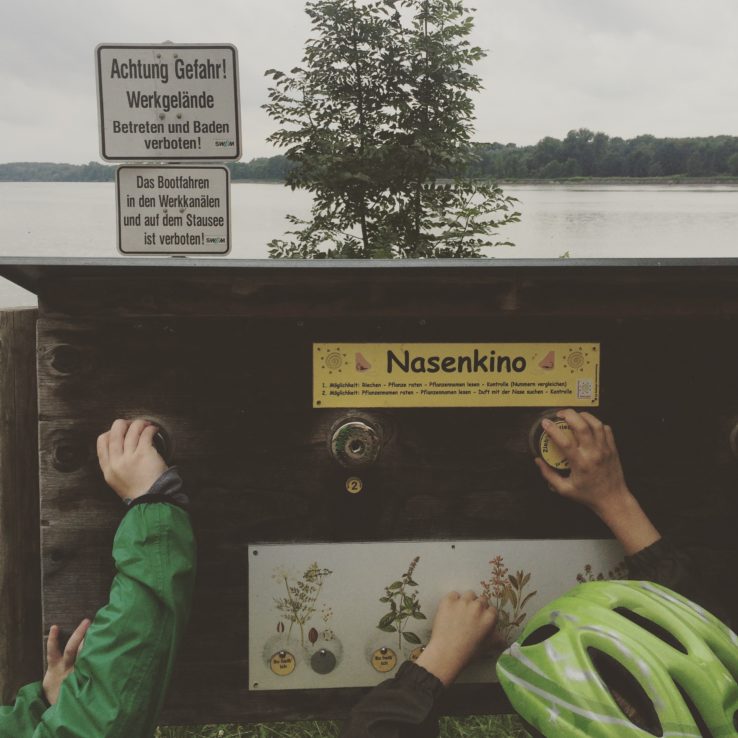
[(128, 459), (461, 624), (60, 665), (596, 479)]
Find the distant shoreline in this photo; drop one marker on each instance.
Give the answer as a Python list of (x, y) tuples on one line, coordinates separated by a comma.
[(581, 181), (675, 180)]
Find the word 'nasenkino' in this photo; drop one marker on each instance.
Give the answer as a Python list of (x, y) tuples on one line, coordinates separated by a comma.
[(476, 362)]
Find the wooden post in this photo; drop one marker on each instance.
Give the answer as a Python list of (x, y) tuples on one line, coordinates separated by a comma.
[(20, 580)]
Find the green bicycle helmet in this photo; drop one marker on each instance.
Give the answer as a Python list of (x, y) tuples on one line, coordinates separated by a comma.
[(620, 659)]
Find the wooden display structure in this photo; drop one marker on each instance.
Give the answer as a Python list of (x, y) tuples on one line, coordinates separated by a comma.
[(219, 353)]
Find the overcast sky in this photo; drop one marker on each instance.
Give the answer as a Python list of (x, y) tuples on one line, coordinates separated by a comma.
[(625, 67)]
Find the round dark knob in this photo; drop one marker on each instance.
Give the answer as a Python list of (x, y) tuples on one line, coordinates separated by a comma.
[(323, 661), (162, 445), (355, 443)]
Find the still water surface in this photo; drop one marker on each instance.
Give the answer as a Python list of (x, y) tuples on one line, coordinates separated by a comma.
[(78, 219)]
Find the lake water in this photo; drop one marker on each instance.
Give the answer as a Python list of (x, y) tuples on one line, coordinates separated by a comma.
[(78, 219)]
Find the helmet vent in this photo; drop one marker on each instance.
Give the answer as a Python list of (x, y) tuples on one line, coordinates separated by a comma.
[(696, 716), (540, 634), (627, 692), (653, 628)]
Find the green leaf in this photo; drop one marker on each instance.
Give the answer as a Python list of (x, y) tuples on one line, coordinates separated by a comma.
[(419, 615), (387, 620), (411, 638), (395, 585), (388, 628)]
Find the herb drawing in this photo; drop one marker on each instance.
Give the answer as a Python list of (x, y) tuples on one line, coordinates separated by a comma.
[(402, 598), (326, 615), (507, 593), (619, 571), (299, 604)]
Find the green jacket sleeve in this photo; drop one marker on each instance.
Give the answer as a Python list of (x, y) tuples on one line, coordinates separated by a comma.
[(20, 719), (121, 676)]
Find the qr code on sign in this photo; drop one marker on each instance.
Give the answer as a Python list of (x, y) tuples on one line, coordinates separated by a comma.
[(584, 389)]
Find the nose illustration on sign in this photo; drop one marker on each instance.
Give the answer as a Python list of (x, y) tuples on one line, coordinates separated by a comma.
[(362, 364)]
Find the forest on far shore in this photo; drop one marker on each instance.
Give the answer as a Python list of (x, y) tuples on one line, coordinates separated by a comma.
[(581, 154)]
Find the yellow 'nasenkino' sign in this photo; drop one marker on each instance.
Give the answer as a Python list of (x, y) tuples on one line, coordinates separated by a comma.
[(455, 374)]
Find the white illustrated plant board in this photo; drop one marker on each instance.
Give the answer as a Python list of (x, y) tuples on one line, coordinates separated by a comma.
[(347, 615)]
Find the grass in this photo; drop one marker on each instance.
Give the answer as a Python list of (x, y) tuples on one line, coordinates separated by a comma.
[(492, 726)]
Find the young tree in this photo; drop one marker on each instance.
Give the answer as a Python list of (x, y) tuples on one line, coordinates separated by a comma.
[(378, 121)]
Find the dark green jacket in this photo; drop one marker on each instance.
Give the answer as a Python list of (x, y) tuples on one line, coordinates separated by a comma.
[(121, 676)]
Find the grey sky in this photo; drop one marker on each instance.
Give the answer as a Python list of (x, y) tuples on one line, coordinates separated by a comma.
[(626, 67)]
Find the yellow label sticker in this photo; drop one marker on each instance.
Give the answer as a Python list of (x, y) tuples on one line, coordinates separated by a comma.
[(550, 452), (384, 660), (354, 485), (415, 653), (282, 663), (456, 374)]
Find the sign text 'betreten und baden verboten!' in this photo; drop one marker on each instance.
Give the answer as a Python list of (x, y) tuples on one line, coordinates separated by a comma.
[(168, 102)]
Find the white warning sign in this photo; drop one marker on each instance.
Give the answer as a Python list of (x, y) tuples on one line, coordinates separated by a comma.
[(173, 210), (168, 102)]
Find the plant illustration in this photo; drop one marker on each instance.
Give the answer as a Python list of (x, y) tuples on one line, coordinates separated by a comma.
[(619, 571), (507, 593), (326, 615), (302, 594), (402, 598)]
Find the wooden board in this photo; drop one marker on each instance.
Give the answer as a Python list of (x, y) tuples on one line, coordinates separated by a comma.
[(222, 359), (20, 591), (232, 386)]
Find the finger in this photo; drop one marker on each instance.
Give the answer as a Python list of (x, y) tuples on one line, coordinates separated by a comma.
[(596, 426), (563, 440), (53, 652), (610, 440), (133, 434), (490, 614), (103, 455), (469, 596), (146, 440), (558, 484), (578, 426), (117, 437), (74, 643)]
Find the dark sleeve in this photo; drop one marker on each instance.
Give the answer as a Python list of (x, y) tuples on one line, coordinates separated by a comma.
[(692, 571), (402, 707), (167, 488)]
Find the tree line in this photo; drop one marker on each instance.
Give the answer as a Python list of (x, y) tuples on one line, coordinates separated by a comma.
[(271, 169), (582, 153)]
